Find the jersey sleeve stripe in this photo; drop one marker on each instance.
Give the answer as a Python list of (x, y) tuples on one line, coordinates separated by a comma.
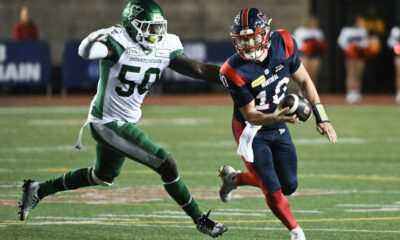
[(175, 53), (232, 74), (287, 38), (116, 47)]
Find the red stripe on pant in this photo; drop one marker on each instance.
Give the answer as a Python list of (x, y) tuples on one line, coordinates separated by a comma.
[(277, 202)]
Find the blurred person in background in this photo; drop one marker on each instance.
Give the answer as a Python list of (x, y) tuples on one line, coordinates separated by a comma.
[(132, 57), (393, 42), (257, 77), (354, 44), (375, 27), (25, 29), (311, 43)]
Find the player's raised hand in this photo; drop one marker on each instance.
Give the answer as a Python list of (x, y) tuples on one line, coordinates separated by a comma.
[(280, 115), (327, 129), (99, 35)]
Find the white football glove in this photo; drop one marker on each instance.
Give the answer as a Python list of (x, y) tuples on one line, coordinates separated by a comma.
[(98, 36)]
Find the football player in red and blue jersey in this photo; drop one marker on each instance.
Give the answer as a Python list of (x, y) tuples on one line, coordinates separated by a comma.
[(257, 77)]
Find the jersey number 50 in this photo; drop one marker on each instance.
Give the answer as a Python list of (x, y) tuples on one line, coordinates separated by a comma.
[(143, 87)]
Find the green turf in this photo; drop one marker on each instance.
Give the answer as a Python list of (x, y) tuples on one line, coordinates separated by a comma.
[(350, 190)]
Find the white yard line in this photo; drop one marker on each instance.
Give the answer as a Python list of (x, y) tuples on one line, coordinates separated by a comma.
[(318, 141), (373, 210), (87, 218), (365, 208), (45, 148), (145, 216), (244, 212), (44, 110), (396, 205), (56, 122), (4, 224), (174, 121), (320, 230)]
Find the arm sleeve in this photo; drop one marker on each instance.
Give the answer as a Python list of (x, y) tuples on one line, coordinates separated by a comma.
[(236, 84), (241, 96), (175, 45), (289, 48)]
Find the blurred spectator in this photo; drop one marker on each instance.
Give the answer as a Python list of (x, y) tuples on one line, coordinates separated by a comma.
[(353, 41), (375, 27), (394, 43), (311, 43), (25, 29)]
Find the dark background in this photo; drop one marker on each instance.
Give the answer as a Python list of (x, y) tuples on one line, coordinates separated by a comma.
[(333, 15)]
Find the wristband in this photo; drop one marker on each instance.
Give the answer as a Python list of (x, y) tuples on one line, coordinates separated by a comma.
[(320, 114)]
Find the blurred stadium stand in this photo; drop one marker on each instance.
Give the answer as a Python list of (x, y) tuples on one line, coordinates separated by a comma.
[(203, 26)]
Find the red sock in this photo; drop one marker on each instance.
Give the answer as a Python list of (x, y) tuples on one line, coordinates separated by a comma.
[(246, 178), (280, 206)]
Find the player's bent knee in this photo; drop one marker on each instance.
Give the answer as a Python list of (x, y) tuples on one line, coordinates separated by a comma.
[(168, 170), (101, 180), (290, 188)]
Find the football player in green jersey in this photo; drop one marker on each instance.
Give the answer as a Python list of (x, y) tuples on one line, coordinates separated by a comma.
[(132, 57)]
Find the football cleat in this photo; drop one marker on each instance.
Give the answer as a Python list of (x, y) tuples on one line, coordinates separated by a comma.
[(297, 234), (30, 198), (227, 174), (207, 226)]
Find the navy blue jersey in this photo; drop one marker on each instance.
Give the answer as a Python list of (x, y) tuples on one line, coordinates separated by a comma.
[(265, 82)]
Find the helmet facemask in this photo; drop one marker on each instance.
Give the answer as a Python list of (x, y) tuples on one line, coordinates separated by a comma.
[(250, 33), (145, 23), (251, 44), (149, 33)]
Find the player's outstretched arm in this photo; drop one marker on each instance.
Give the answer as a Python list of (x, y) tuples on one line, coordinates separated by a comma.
[(324, 127), (186, 66), (93, 46)]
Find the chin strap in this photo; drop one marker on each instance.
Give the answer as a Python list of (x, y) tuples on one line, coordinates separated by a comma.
[(320, 114)]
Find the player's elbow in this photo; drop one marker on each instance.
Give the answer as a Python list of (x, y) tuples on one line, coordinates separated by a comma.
[(82, 52)]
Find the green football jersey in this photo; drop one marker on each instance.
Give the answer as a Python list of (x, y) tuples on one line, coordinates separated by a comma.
[(125, 78)]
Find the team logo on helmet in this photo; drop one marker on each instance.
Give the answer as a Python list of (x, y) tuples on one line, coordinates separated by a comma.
[(263, 18), (132, 11)]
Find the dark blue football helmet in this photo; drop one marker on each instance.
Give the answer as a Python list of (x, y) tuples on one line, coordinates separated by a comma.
[(251, 23)]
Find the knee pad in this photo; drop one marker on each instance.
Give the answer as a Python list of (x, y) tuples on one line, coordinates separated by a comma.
[(290, 188), (99, 181), (168, 170)]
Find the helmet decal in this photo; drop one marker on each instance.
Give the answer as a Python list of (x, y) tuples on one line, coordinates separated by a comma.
[(263, 18), (245, 19), (132, 11)]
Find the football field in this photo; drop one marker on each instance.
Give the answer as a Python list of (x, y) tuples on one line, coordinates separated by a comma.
[(349, 190)]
